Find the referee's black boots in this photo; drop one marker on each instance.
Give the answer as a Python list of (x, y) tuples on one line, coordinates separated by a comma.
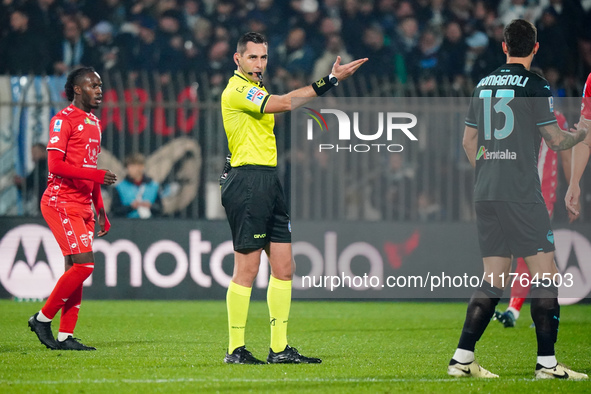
[(241, 356), (290, 356)]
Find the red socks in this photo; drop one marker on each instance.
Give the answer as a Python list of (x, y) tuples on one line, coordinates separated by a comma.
[(518, 291), (70, 312), (67, 293)]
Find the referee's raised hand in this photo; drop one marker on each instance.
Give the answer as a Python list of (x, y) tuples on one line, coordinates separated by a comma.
[(344, 71)]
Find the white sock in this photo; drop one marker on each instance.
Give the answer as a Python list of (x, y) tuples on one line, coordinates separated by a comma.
[(547, 361), (42, 318), (463, 356), (62, 336), (514, 311)]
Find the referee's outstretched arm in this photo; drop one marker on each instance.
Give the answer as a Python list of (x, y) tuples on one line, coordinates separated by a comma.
[(283, 103)]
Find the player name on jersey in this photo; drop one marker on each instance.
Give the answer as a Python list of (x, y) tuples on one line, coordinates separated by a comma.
[(504, 80)]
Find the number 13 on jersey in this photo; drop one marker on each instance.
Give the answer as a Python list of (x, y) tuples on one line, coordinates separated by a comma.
[(502, 106)]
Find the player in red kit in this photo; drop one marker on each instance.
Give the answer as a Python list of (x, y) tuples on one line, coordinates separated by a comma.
[(581, 154), (73, 183), (548, 171)]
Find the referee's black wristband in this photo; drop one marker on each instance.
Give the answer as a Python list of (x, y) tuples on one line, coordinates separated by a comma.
[(322, 86)]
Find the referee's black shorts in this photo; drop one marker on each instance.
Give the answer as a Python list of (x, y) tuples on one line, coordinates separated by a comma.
[(255, 206), (515, 229)]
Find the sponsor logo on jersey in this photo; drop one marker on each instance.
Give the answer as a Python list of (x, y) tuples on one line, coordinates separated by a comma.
[(54, 139), (80, 127), (88, 121), (498, 155), (255, 95), (551, 103), (57, 126)]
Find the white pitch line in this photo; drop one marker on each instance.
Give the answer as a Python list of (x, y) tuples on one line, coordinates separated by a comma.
[(209, 380)]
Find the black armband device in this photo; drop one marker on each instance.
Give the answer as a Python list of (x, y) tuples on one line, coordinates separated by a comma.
[(323, 85)]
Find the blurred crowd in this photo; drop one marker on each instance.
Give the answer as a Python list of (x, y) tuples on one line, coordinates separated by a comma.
[(421, 41), (429, 47)]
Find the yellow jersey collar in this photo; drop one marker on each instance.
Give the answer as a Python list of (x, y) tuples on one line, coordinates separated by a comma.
[(237, 74)]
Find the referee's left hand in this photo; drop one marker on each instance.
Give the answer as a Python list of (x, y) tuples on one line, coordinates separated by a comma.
[(344, 71)]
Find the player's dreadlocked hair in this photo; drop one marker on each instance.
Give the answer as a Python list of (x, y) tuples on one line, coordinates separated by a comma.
[(74, 79), (251, 36)]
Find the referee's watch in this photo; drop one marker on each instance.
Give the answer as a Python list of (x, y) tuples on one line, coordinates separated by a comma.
[(323, 85), (333, 80)]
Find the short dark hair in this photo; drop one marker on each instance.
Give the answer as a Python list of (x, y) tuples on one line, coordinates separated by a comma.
[(74, 78), (251, 36), (520, 37)]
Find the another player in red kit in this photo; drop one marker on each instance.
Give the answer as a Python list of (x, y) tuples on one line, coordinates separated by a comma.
[(73, 183), (581, 155)]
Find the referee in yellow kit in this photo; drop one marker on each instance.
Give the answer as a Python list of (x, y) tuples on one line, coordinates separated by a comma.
[(253, 197)]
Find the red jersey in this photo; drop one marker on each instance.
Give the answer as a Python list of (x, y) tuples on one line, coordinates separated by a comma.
[(78, 135), (586, 104), (548, 167)]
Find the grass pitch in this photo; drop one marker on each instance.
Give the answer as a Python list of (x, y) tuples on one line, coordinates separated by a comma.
[(178, 346)]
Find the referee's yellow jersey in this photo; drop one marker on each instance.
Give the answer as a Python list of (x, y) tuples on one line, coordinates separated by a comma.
[(248, 128)]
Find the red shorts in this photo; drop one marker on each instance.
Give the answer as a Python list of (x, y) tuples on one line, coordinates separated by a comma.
[(72, 226)]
